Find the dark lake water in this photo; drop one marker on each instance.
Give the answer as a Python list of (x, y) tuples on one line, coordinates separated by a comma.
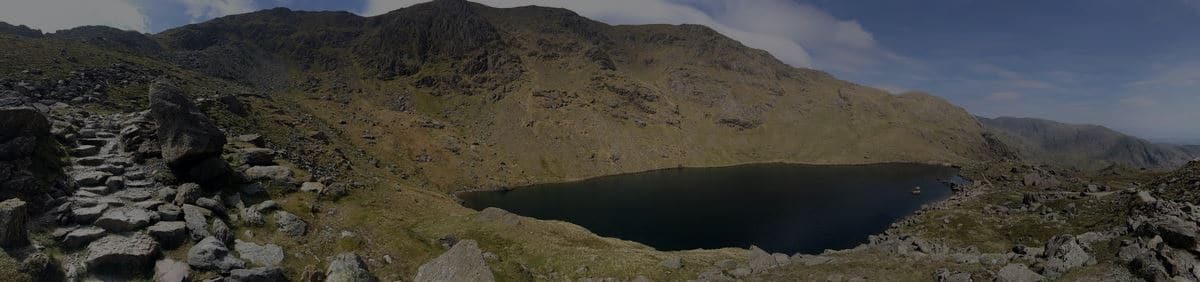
[(778, 207)]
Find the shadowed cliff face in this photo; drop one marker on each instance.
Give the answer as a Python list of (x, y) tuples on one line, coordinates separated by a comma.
[(1084, 146)]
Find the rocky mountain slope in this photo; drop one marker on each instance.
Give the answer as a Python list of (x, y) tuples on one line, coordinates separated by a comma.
[(1083, 146), (478, 97)]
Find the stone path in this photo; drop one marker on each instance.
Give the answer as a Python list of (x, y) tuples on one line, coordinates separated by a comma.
[(122, 217)]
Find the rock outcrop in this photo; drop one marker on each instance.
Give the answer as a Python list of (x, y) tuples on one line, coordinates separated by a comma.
[(348, 267), (463, 262), (189, 139), (13, 216), (28, 154)]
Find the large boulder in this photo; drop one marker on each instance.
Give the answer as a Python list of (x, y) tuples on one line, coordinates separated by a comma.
[(21, 132), (463, 262), (123, 254), (186, 135), (348, 267), (211, 254), (13, 216), (21, 129)]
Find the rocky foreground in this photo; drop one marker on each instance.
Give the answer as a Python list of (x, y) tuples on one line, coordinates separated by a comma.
[(158, 194)]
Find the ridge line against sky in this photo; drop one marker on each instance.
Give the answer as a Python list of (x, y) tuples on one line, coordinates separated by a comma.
[(1131, 65)]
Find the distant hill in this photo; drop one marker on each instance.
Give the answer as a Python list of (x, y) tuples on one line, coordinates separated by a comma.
[(1084, 146)]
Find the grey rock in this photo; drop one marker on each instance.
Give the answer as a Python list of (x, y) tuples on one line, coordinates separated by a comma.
[(258, 156), (672, 263), (170, 212), (82, 236), (252, 217), (463, 262), (196, 219), (187, 194), (126, 254), (122, 219), (740, 272), (1145, 197), (348, 267), (87, 215), (169, 233), (314, 187), (290, 224), (263, 255), (90, 178), (211, 254), (169, 270), (186, 135), (1176, 232), (14, 214), (760, 260), (41, 267), (500, 216), (211, 204), (221, 231), (1017, 273), (1063, 253), (266, 206), (946, 275), (274, 173), (260, 274)]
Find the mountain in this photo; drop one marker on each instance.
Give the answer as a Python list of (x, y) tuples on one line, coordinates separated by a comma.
[(535, 94), (1084, 146)]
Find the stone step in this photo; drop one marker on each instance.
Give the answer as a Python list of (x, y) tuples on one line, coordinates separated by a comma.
[(98, 190), (85, 151), (94, 142), (90, 161), (138, 183), (136, 194)]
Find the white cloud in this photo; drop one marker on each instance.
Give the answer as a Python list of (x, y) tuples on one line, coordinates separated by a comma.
[(1004, 96), (53, 15), (203, 10), (786, 29), (1181, 75)]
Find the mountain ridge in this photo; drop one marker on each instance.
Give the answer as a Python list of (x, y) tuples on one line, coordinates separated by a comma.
[(1085, 146)]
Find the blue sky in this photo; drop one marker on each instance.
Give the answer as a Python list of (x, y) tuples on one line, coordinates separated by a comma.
[(1131, 65)]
